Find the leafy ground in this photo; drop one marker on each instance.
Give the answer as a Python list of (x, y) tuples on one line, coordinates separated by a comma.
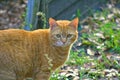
[(96, 54), (11, 13)]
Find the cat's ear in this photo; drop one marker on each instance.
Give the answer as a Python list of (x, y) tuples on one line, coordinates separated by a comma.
[(74, 23), (52, 23)]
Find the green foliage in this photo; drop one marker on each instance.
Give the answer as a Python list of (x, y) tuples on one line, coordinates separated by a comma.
[(56, 76), (78, 58), (22, 17), (112, 35), (78, 13), (43, 18)]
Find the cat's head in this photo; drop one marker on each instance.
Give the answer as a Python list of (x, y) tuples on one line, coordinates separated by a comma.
[(63, 32)]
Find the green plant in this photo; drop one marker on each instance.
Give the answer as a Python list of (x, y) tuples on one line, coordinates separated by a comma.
[(56, 76), (77, 58)]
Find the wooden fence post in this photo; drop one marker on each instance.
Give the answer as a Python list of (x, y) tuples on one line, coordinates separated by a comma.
[(34, 21), (42, 18)]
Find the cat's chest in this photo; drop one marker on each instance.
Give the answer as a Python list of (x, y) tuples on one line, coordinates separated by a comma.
[(58, 59), (52, 57)]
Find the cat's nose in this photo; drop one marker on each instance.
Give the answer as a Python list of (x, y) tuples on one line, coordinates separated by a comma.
[(63, 40)]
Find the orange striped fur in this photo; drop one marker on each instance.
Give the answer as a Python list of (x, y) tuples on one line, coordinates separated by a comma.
[(36, 54)]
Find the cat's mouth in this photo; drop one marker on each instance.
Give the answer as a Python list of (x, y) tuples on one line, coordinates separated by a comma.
[(61, 44)]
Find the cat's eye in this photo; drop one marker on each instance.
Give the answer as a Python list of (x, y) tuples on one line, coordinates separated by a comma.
[(69, 35), (58, 35)]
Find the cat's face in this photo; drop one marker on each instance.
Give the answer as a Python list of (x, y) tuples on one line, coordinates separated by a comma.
[(63, 32)]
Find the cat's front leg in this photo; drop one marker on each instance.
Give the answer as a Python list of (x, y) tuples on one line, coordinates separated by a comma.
[(20, 78), (42, 76)]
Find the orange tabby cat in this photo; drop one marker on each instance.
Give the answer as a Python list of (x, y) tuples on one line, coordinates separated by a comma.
[(36, 54)]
